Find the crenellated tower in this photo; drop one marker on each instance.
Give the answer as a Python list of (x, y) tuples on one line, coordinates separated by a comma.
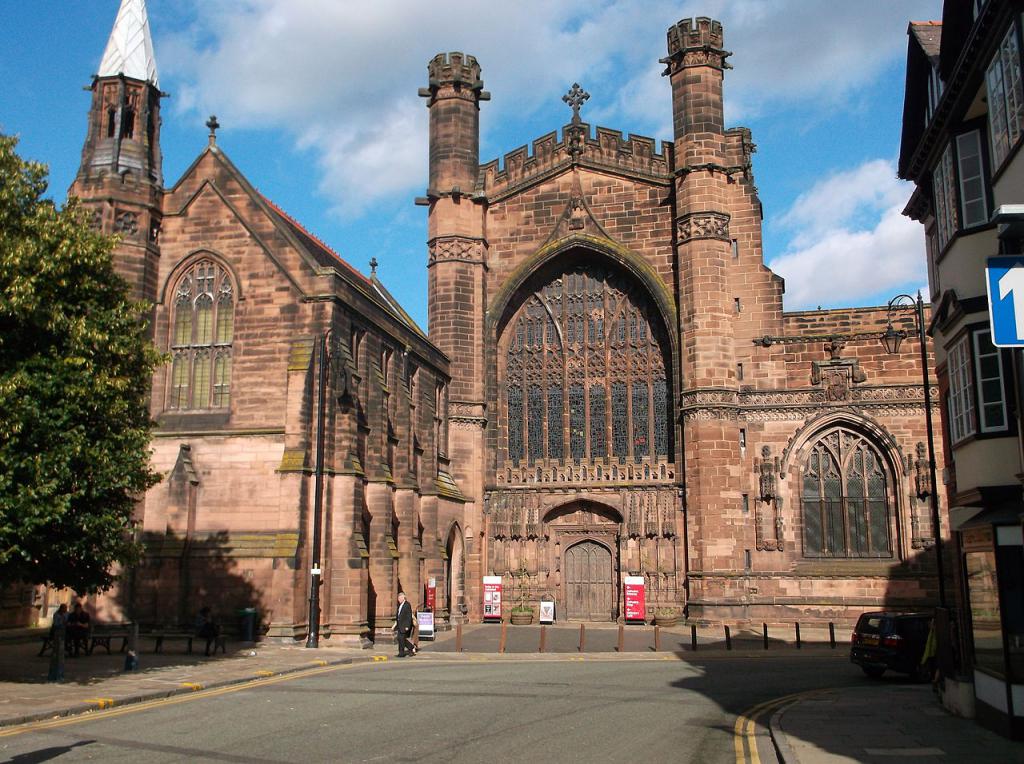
[(120, 177)]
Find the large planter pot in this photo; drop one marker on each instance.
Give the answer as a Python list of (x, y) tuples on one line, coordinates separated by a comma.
[(667, 622), (521, 619)]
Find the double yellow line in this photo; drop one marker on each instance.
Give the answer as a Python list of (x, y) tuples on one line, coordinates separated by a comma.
[(745, 729), (198, 692)]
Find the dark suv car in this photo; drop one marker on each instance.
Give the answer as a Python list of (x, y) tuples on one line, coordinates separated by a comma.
[(893, 641)]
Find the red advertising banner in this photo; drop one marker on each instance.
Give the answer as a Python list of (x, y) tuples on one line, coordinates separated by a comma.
[(431, 598), (492, 597), (635, 598)]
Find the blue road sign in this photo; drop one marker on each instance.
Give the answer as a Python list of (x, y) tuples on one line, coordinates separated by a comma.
[(1005, 279)]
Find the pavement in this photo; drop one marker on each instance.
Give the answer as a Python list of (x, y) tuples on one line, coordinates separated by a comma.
[(891, 721)]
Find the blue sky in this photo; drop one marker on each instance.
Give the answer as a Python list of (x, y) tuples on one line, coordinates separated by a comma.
[(318, 106)]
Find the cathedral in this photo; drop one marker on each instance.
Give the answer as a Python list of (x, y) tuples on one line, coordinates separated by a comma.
[(608, 386)]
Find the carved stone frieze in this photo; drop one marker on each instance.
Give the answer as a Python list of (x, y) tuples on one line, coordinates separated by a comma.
[(456, 248), (127, 223), (703, 225), (782, 405)]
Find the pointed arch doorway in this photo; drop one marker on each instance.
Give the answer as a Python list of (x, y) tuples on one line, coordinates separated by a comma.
[(588, 582)]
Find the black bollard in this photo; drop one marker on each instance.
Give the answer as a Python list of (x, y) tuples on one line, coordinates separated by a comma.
[(693, 638), (728, 639), (797, 624), (832, 635), (764, 629)]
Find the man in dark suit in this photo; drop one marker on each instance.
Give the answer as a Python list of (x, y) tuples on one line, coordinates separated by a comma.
[(403, 627)]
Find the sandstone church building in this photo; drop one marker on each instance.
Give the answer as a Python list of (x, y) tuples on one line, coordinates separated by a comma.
[(590, 400)]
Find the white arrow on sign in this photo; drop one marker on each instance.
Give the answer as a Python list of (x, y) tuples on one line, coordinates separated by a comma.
[(1013, 282)]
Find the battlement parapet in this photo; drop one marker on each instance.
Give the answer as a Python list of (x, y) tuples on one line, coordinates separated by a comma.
[(635, 155), (695, 42), (456, 70)]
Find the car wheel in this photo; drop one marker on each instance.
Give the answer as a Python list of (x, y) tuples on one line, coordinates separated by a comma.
[(873, 671)]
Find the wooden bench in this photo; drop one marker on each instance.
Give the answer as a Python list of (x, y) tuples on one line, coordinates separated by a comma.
[(96, 637), (159, 637), (103, 638)]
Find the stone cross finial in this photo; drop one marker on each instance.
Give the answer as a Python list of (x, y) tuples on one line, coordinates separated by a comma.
[(576, 97), (213, 124), (373, 266)]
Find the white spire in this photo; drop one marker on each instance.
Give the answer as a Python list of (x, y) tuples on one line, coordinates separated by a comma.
[(130, 48)]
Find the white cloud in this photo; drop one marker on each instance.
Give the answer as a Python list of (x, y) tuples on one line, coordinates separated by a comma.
[(341, 76), (849, 239)]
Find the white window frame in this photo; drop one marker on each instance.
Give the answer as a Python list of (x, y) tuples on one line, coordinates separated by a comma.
[(961, 390), (1005, 86), (979, 353), (944, 192), (971, 170)]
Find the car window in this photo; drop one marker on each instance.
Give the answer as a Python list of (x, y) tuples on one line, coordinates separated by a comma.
[(874, 624)]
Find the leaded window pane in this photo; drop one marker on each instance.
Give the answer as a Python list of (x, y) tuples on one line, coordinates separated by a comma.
[(577, 423), (844, 501), (515, 424), (535, 404), (620, 421), (556, 433), (598, 439), (660, 418), (222, 381), (557, 342), (201, 381), (641, 444), (201, 377)]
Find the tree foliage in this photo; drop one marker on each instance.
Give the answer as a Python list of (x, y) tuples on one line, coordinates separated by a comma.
[(75, 369)]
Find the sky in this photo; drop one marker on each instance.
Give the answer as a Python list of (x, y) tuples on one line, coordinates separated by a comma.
[(318, 105)]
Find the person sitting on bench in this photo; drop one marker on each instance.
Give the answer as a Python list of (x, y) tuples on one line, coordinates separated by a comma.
[(207, 628), (79, 626)]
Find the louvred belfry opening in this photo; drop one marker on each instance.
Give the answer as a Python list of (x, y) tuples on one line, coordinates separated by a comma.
[(585, 372)]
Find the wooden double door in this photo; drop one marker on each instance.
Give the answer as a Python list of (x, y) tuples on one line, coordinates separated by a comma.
[(589, 591)]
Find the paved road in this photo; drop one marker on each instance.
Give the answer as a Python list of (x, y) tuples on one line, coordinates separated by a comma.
[(437, 708)]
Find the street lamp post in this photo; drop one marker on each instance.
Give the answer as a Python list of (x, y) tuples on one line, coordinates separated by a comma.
[(313, 635), (891, 340)]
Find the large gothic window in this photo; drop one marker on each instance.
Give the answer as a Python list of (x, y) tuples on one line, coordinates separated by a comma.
[(845, 498), (585, 373), (202, 329)]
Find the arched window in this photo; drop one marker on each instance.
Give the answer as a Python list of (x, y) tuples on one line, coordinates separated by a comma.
[(202, 329), (845, 498), (585, 372)]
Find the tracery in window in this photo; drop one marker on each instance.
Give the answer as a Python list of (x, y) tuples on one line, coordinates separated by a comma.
[(585, 372), (845, 498), (202, 330)]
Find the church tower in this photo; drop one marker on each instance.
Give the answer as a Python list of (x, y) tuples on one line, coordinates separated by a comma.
[(120, 176)]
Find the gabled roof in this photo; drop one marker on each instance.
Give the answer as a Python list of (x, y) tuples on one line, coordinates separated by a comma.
[(326, 256), (929, 36), (129, 50)]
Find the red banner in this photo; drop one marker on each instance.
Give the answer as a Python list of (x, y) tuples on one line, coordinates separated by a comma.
[(635, 597), (431, 598), (492, 597)]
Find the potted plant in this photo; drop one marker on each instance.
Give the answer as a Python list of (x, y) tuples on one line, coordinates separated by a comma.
[(666, 616), (522, 615)]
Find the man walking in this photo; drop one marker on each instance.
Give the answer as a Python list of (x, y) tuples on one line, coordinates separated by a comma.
[(403, 627)]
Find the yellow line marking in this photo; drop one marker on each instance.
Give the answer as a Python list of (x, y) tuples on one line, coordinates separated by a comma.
[(319, 663), (379, 658), (194, 686), (264, 673), (173, 700), (101, 702), (745, 729)]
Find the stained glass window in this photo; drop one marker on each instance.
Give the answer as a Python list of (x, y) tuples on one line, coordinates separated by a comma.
[(582, 351), (641, 445), (201, 334), (845, 500), (598, 439), (577, 423), (535, 406), (620, 421), (556, 432), (515, 424)]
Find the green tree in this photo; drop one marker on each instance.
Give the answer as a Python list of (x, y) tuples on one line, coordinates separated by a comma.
[(75, 368)]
